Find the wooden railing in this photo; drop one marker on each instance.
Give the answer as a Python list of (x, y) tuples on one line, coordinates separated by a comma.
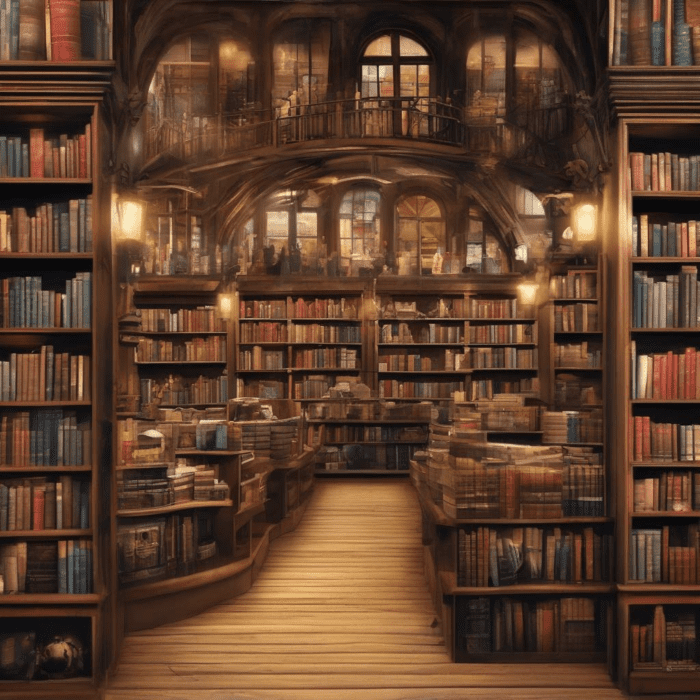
[(418, 119)]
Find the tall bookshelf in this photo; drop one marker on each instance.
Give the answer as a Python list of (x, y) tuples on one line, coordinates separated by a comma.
[(55, 404), (658, 583)]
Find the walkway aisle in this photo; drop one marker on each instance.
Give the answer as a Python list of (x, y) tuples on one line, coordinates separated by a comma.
[(340, 611)]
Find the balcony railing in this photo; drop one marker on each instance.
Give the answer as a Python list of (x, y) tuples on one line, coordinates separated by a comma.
[(418, 119)]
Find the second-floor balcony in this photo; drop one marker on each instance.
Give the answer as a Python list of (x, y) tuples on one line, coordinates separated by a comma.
[(535, 135)]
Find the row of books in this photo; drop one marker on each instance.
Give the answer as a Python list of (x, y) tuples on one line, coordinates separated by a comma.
[(443, 361), (258, 359), (59, 30), (665, 301), (575, 284), (312, 387), (544, 626), (60, 227), (664, 172), (51, 437), (405, 333), (504, 412), (497, 308), (26, 304), (318, 358), (36, 156), (665, 375), (205, 349), (572, 391), (264, 308), (675, 491), (487, 388), (315, 333), (656, 33), (44, 503), (177, 390), (504, 357), (340, 308), (62, 566), (667, 639), (163, 546), (202, 319), (562, 427), (396, 389), (664, 238), (576, 318), (663, 442), (385, 457), (264, 388), (376, 433), (45, 376), (502, 333), (263, 332), (496, 557), (667, 554), (422, 308), (583, 355)]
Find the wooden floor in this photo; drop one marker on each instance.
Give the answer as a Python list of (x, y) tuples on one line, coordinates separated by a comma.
[(340, 611)]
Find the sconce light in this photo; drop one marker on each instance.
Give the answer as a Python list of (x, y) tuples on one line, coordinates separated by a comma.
[(585, 222), (225, 305), (527, 291), (521, 252), (127, 218)]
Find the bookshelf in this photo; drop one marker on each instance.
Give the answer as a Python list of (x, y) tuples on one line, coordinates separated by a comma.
[(503, 346), (299, 341), (420, 341), (657, 521), (54, 485), (368, 435)]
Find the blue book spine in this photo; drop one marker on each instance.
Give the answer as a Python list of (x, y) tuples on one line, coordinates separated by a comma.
[(24, 147), (84, 505), (656, 240), (62, 567), (3, 156), (18, 156), (70, 567), (14, 30), (672, 239), (657, 44), (87, 298), (11, 157), (81, 226), (64, 231), (67, 306)]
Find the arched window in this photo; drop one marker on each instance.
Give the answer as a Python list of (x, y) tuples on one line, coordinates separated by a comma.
[(396, 70), (360, 240), (420, 236), (394, 65)]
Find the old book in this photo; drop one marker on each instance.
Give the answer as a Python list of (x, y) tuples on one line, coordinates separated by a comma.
[(65, 30)]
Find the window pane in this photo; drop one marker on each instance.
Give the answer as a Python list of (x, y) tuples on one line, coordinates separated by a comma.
[(379, 47), (277, 226), (306, 224), (409, 47), (486, 75), (235, 88)]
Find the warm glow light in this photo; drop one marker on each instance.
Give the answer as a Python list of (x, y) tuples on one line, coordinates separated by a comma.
[(127, 217), (585, 222), (225, 305), (527, 292)]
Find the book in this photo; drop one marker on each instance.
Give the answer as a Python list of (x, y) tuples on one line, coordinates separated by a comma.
[(31, 42), (64, 26)]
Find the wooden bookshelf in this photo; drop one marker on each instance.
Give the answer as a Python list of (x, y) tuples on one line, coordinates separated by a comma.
[(55, 352), (658, 594)]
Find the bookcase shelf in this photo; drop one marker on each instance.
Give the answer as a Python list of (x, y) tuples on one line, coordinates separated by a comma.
[(62, 586), (656, 312), (173, 508)]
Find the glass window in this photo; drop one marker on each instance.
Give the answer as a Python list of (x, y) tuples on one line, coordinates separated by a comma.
[(421, 236), (486, 76), (359, 229)]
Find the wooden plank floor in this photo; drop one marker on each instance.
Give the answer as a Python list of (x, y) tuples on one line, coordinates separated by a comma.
[(340, 611)]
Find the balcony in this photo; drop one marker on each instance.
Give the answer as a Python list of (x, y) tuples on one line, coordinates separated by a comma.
[(538, 136)]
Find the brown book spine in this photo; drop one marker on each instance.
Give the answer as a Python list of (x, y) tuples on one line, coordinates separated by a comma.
[(31, 31), (36, 152), (65, 30)]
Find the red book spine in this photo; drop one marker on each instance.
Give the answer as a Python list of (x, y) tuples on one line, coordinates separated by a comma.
[(65, 30), (82, 157), (38, 509)]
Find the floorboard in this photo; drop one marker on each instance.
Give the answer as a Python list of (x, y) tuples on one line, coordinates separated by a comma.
[(340, 610)]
